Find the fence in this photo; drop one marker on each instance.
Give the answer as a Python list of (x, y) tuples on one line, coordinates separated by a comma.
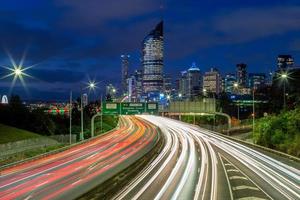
[(24, 145)]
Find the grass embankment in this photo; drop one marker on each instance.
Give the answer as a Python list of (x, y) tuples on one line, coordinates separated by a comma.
[(11, 134)]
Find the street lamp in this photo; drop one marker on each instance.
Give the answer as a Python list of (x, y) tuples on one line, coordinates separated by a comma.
[(236, 86), (253, 110), (91, 86), (284, 77), (18, 72)]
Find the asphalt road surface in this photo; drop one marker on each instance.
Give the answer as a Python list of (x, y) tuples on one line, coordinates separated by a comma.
[(197, 164), (71, 173)]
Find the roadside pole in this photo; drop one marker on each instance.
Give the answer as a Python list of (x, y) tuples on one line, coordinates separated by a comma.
[(70, 113)]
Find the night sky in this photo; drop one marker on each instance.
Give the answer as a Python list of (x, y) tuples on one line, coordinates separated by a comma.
[(72, 41)]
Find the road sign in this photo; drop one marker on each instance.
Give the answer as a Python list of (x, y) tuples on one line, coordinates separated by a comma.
[(152, 108), (132, 108), (111, 108), (129, 108)]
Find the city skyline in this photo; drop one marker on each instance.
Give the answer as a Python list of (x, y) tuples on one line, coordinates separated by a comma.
[(52, 41)]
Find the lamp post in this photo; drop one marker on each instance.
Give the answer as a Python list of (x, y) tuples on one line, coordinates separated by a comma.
[(253, 110), (91, 86), (284, 77), (81, 115), (236, 86), (70, 113), (179, 95)]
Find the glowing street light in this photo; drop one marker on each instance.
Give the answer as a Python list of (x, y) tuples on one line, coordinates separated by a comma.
[(236, 86), (17, 71), (284, 77), (179, 95)]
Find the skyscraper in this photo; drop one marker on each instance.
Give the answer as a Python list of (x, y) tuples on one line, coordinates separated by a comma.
[(183, 84), (284, 62), (256, 80), (241, 74), (167, 84), (212, 81), (152, 62), (193, 82), (125, 65), (135, 86), (230, 79), (111, 91)]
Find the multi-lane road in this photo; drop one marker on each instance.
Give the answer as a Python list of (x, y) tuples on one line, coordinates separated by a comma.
[(198, 164), (71, 173), (193, 163)]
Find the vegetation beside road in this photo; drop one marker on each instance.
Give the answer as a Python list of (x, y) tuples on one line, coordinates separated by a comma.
[(11, 134), (281, 132), (16, 114)]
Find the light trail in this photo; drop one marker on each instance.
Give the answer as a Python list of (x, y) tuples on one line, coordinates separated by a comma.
[(76, 171), (268, 177)]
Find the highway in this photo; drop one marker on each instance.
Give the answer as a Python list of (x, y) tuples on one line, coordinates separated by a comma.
[(72, 173), (198, 164)]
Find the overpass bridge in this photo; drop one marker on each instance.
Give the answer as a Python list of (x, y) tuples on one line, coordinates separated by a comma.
[(203, 107)]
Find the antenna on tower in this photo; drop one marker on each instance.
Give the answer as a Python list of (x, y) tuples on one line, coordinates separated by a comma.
[(161, 9)]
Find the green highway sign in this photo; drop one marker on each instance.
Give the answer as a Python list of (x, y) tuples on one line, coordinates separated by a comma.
[(111, 108), (132, 108), (129, 108)]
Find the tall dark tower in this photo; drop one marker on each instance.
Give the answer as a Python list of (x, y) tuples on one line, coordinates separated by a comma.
[(284, 62), (125, 65), (241, 74), (152, 61)]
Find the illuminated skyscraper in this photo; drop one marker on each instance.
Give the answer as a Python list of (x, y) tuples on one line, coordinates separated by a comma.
[(230, 80), (241, 74), (212, 81), (256, 80), (125, 64), (152, 62), (190, 82), (285, 61)]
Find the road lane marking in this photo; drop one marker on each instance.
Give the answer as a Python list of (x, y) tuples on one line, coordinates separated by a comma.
[(251, 198), (238, 177), (245, 187), (226, 175), (232, 170)]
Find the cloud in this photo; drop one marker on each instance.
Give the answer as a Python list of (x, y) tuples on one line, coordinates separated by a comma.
[(235, 27), (248, 24), (94, 13)]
